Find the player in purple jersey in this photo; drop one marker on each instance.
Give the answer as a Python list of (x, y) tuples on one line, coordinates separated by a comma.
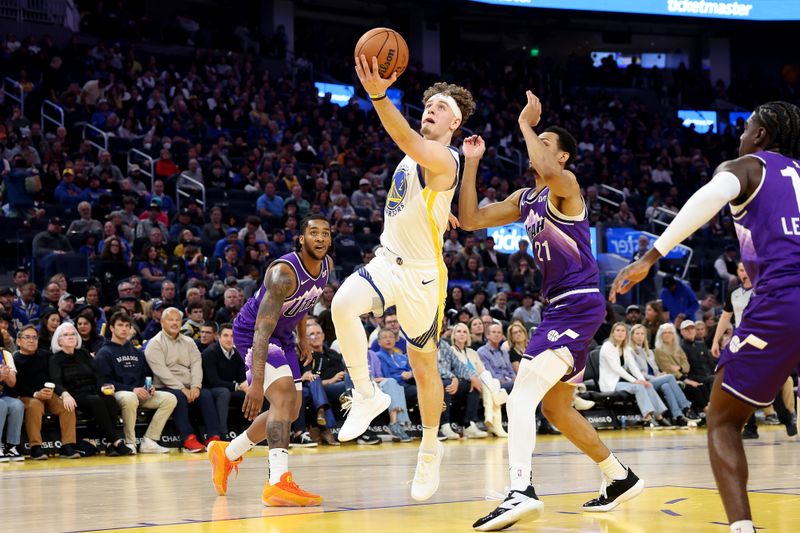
[(264, 331), (763, 189), (556, 221)]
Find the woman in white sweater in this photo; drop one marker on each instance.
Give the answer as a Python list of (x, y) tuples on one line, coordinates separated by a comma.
[(619, 372)]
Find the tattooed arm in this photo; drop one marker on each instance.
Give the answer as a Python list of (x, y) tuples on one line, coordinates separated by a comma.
[(280, 282)]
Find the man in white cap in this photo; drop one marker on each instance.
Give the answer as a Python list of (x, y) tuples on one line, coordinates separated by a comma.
[(363, 197)]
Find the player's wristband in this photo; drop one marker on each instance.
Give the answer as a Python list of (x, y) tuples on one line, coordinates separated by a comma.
[(376, 97)]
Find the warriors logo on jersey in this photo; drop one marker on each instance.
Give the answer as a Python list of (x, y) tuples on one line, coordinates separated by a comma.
[(397, 192)]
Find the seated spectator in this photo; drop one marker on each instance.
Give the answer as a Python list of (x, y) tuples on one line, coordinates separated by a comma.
[(633, 315), (530, 312), (49, 244), (653, 318), (194, 321), (228, 265), (66, 307), (493, 259), (152, 268), (232, 237), (11, 410), (523, 277), (665, 383), (492, 414), (85, 223), (619, 372), (496, 359), (500, 310), (324, 302), (391, 322), (498, 284), (32, 374), (6, 337), (678, 300), (324, 383), (269, 205), (476, 332), (153, 322), (151, 219), (395, 365), (232, 300), (253, 227), (73, 370), (672, 359), (215, 229), (224, 374), (25, 307), (462, 385), (726, 267), (516, 343), (178, 369), (110, 230), (701, 364), (478, 304), (87, 329), (48, 323), (279, 245), (125, 367), (208, 336), (112, 264)]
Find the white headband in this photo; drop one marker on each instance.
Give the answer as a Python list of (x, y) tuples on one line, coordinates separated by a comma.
[(450, 101)]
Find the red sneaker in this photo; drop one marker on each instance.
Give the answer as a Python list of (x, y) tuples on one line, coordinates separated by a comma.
[(192, 445), (211, 439)]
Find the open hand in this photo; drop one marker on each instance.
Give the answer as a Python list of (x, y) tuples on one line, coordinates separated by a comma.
[(627, 278), (253, 401), (474, 147), (370, 78)]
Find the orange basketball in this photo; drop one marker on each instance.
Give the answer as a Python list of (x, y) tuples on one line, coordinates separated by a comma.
[(388, 46)]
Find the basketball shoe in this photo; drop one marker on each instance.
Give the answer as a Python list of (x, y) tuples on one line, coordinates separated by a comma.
[(362, 411), (519, 506), (615, 493), (221, 466), (426, 478), (286, 493)]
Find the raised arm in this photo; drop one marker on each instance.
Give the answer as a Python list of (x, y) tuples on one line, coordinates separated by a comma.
[(562, 183), (280, 283), (431, 155), (470, 215)]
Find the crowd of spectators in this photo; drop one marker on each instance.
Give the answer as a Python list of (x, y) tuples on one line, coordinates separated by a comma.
[(268, 150)]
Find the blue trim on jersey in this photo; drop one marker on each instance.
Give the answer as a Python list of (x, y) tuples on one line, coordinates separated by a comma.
[(419, 176), (366, 275), (422, 340)]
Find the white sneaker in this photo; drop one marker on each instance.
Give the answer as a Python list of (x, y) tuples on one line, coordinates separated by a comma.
[(151, 446), (472, 432), (131, 447), (447, 431), (581, 404), (426, 478), (362, 411)]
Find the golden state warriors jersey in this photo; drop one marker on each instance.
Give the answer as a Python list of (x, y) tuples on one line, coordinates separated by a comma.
[(415, 217)]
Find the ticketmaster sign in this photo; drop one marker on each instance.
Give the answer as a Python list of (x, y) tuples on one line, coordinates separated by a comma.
[(506, 238), (725, 9), (624, 242)]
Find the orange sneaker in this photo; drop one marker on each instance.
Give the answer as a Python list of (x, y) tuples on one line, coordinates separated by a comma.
[(221, 466), (286, 493)]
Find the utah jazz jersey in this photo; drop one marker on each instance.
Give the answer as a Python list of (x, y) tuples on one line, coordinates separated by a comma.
[(415, 217)]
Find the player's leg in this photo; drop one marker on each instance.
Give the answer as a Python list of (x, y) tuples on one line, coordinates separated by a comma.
[(358, 295), (726, 417), (620, 484), (535, 378)]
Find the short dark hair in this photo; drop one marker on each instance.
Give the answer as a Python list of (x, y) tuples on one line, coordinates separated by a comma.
[(782, 122), (210, 324), (566, 142), (307, 220), (25, 328), (192, 306), (226, 325), (120, 316)]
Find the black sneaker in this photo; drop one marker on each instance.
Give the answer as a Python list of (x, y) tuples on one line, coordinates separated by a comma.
[(791, 425), (13, 454), (368, 438), (749, 433), (519, 506), (38, 454), (691, 415), (665, 422), (67, 451), (301, 440), (681, 422), (441, 436), (614, 493), (122, 449), (111, 451)]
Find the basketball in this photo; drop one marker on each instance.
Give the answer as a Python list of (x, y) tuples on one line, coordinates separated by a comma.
[(388, 46)]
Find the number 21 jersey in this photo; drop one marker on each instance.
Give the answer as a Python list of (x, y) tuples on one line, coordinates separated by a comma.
[(561, 245)]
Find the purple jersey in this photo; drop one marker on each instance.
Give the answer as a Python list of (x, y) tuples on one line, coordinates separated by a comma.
[(768, 226), (295, 307), (561, 247)]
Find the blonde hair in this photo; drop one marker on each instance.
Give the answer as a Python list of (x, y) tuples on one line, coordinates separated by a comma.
[(460, 326), (633, 330), (520, 325), (55, 347)]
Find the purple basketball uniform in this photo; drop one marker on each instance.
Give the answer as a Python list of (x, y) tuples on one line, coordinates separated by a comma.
[(282, 347), (562, 250), (764, 348)]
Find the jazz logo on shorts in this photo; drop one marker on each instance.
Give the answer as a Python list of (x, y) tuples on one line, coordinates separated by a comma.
[(737, 344), (394, 198), (554, 335)]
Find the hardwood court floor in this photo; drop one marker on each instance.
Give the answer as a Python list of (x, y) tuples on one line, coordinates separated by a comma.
[(366, 489)]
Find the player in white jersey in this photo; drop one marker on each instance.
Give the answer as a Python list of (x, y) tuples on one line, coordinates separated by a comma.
[(408, 271)]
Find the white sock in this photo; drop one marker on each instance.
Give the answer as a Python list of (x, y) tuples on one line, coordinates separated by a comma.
[(353, 299), (612, 468), (535, 377), (429, 439), (278, 464), (743, 526), (238, 447)]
